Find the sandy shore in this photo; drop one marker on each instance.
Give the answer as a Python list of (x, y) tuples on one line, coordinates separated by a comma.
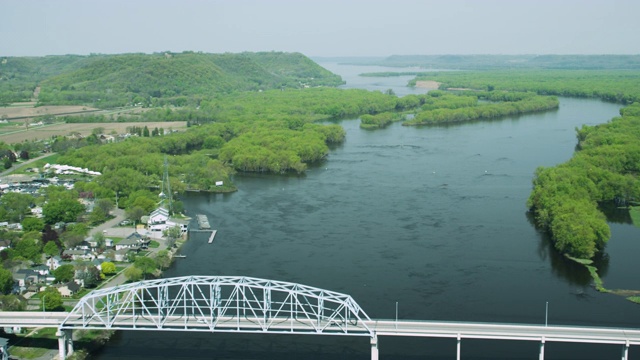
[(428, 84)]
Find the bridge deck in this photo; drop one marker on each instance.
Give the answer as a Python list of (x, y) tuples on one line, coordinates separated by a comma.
[(462, 330)]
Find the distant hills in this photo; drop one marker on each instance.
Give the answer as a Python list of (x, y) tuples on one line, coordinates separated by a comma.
[(160, 78), (494, 62)]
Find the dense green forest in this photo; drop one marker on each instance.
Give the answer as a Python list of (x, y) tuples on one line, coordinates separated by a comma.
[(19, 76), (106, 81), (622, 86), (605, 168), (459, 108)]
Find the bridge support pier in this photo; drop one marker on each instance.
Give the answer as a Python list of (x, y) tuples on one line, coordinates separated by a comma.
[(625, 351), (541, 357), (374, 347), (65, 343), (458, 346)]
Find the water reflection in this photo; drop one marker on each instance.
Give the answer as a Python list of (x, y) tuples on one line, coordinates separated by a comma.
[(574, 273)]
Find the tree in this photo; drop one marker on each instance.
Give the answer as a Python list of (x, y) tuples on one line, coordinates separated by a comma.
[(32, 224), (64, 273), (108, 268), (146, 265), (90, 276), (132, 273), (163, 259), (135, 213), (172, 234), (52, 299), (99, 239), (29, 249), (74, 234), (105, 204), (98, 216), (7, 163), (63, 210), (51, 249), (6, 281), (48, 234), (14, 206), (12, 303)]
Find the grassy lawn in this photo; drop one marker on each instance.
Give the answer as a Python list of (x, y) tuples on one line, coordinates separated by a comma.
[(51, 159), (115, 239), (154, 244)]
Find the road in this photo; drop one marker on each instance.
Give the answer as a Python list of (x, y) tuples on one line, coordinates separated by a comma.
[(419, 328), (22, 164)]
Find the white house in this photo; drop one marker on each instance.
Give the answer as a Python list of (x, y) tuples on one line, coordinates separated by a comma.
[(53, 262), (159, 220)]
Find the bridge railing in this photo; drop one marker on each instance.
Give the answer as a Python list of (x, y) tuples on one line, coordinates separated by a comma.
[(220, 303)]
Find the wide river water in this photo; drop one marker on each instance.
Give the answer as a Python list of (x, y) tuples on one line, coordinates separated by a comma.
[(433, 218)]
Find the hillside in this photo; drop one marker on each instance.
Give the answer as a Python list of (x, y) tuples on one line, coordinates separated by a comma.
[(20, 75), (167, 78)]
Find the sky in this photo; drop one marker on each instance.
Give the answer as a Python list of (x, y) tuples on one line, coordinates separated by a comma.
[(320, 27)]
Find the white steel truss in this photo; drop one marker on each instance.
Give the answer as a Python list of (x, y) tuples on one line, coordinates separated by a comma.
[(219, 304)]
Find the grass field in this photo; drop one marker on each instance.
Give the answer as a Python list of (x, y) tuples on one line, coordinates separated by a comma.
[(11, 134)]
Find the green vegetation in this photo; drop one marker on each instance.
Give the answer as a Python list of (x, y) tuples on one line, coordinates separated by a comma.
[(379, 120), (448, 109), (622, 86), (179, 79), (635, 215), (565, 197), (19, 76)]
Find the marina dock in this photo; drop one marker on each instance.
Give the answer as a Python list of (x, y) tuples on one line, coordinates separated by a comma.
[(213, 235), (203, 222)]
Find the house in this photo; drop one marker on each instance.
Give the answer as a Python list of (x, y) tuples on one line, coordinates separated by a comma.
[(121, 255), (84, 245), (53, 262), (158, 219), (98, 263), (134, 241), (26, 277), (183, 224), (78, 254), (68, 289)]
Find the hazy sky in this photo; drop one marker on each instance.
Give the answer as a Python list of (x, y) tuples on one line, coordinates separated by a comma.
[(320, 27)]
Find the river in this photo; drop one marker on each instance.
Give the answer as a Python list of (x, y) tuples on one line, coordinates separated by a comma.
[(433, 218)]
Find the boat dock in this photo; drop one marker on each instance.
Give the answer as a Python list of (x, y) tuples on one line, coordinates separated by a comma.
[(180, 256), (213, 235), (203, 222)]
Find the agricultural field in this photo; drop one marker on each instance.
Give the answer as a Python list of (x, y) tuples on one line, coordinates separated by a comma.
[(10, 133), (23, 110)]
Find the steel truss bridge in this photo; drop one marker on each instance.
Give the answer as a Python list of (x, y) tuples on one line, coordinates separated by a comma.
[(252, 305)]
